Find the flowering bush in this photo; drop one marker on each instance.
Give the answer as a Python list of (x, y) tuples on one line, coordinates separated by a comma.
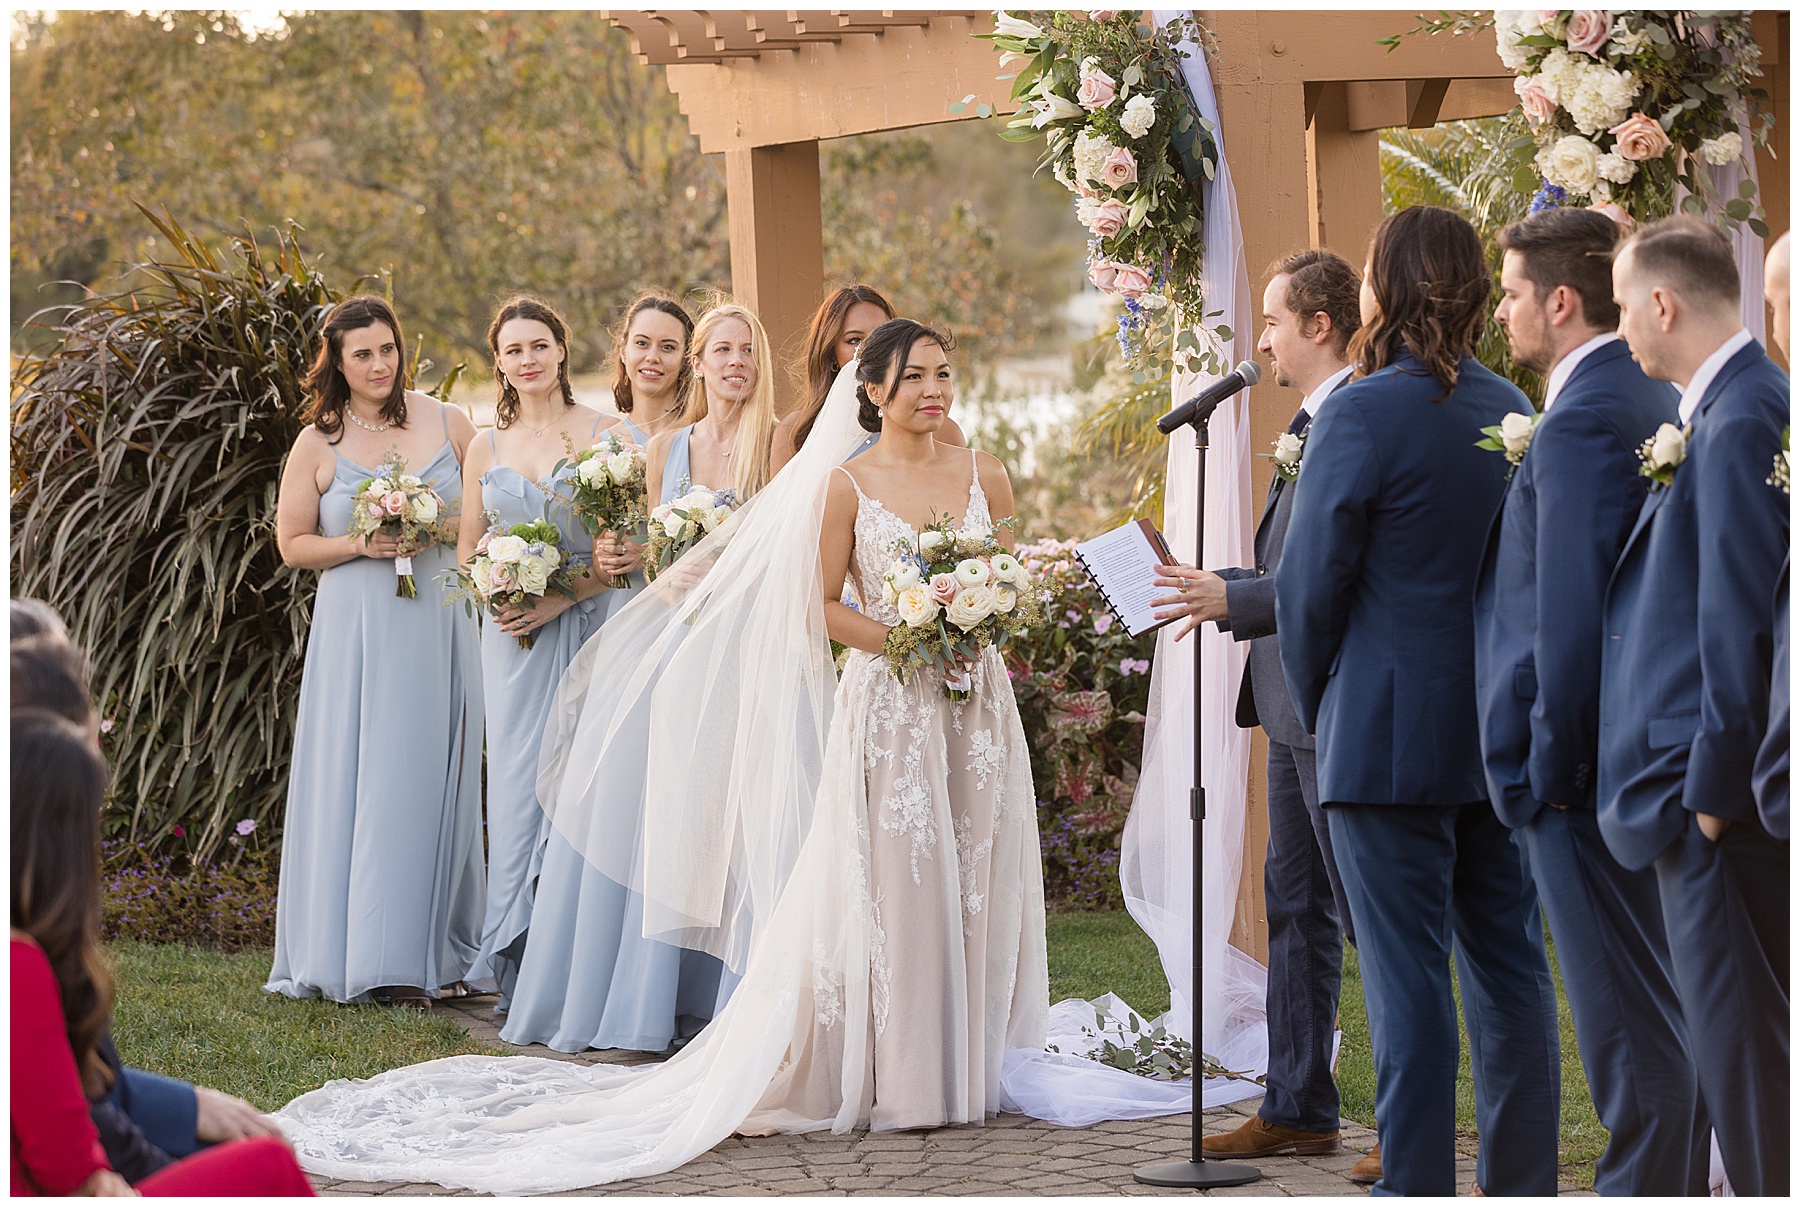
[(227, 903), (1082, 685), (1105, 91)]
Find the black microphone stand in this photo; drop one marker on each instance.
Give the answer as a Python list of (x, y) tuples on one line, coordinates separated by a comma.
[(1197, 1172)]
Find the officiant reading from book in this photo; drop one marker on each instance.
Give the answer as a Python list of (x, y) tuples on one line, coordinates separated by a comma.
[(1310, 311)]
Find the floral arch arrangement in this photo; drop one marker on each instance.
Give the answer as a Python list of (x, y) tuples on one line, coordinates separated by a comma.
[(1105, 90)]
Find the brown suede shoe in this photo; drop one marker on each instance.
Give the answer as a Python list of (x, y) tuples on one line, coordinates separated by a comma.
[(1367, 1170), (1258, 1138)]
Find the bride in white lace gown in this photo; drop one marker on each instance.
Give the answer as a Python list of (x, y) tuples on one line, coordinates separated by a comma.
[(866, 856)]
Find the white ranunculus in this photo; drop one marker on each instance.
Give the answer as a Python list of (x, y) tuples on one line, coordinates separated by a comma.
[(1013, 27), (1139, 116), (1615, 168), (971, 607), (1668, 447), (1515, 431), (1007, 569), (971, 573), (673, 525), (916, 607), (903, 575), (1005, 599), (623, 467), (1727, 148), (1287, 450), (506, 548), (931, 542), (1571, 162)]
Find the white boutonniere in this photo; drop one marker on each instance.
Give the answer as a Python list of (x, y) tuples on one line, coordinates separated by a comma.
[(1511, 436), (1783, 465), (1289, 448), (1663, 453)]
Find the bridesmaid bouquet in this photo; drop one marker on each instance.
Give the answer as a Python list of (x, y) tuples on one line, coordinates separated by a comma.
[(958, 592), (400, 504), (608, 489), (513, 566), (678, 525)]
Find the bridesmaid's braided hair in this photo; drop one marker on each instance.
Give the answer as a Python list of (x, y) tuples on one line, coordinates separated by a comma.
[(882, 357)]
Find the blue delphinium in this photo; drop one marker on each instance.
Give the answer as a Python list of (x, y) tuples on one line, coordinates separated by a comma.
[(1548, 197)]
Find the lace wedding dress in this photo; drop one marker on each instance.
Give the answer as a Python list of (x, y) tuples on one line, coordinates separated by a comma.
[(891, 952)]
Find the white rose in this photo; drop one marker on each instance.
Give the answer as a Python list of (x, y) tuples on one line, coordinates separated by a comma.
[(1139, 116), (903, 575), (425, 508), (970, 608), (1571, 162), (592, 472), (1007, 570), (1287, 449), (1615, 168), (1005, 599), (411, 481), (672, 525), (534, 576), (1515, 431), (699, 499), (971, 573), (916, 606), (1668, 447), (717, 516), (1726, 148), (931, 542), (478, 574), (623, 467), (889, 596), (506, 548)]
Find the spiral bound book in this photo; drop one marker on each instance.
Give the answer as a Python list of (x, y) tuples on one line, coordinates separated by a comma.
[(1123, 565)]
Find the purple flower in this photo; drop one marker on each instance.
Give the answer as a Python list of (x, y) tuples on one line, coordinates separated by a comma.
[(246, 827), (1103, 623)]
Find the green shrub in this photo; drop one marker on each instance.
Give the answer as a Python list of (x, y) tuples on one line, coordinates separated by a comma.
[(226, 904)]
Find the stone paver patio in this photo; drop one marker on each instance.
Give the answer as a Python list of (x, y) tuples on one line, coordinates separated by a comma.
[(1011, 1156)]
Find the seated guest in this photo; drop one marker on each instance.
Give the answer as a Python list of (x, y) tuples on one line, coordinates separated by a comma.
[(1378, 649), (1570, 504), (35, 618), (1684, 692), (49, 673), (62, 994)]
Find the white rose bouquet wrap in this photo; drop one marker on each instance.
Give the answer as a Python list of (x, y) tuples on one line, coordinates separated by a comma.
[(679, 524), (607, 490), (511, 567), (400, 504), (958, 591)]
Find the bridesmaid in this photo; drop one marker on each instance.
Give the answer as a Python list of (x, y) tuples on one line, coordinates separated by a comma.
[(381, 881), (590, 978), (509, 472), (838, 328)]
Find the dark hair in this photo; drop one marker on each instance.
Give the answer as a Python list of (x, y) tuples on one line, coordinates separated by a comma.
[(1573, 247), (1322, 282), (51, 674), (537, 310), (35, 618), (822, 335), (1689, 255), (1431, 284), (325, 380), (882, 358), (651, 299), (58, 784)]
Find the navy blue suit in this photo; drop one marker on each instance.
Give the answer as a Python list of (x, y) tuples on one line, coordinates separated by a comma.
[(1684, 702), (146, 1121), (1377, 645), (1772, 760), (1538, 601)]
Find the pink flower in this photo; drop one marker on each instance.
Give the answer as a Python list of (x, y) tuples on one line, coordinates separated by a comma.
[(393, 502), (482, 544), (1533, 98), (1102, 14), (1109, 219), (500, 578), (1119, 170), (1131, 281), (1102, 273), (1102, 623), (179, 832), (944, 588), (1640, 137), (246, 827), (1617, 213), (1097, 90), (1588, 30)]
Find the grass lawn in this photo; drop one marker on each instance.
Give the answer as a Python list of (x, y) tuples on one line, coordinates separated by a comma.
[(203, 1016)]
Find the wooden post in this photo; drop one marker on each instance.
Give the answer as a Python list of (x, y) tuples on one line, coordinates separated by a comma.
[(1345, 198), (777, 242)]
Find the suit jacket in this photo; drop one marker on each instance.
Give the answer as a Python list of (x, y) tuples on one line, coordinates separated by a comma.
[(129, 1148), (1568, 509), (1377, 620), (1684, 679), (1771, 782), (1250, 597)]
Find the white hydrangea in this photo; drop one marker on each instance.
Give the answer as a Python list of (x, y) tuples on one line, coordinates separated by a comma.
[(1595, 96), (1061, 172), (1615, 168), (1139, 116), (1509, 26), (1571, 162), (1727, 148), (1084, 211), (1091, 151)]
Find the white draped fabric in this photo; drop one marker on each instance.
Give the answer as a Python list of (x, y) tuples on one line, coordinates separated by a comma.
[(1156, 860)]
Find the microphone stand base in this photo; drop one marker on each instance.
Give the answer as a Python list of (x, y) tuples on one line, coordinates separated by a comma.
[(1196, 1175)]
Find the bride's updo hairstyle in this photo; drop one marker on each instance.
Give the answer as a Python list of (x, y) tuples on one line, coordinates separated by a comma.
[(881, 358)]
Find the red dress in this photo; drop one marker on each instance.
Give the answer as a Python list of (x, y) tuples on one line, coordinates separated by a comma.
[(54, 1145)]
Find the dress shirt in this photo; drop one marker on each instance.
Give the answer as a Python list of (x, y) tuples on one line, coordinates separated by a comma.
[(1565, 368), (1312, 400), (1709, 369)]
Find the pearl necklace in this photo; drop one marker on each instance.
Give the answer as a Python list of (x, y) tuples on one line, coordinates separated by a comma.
[(350, 412)]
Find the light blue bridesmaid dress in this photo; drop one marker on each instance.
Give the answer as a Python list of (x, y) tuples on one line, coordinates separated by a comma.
[(381, 880), (590, 978), (520, 685)]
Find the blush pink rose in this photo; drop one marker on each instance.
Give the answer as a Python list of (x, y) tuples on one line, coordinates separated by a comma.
[(393, 502), (1534, 99), (1617, 213), (1097, 90), (1640, 138), (500, 578), (944, 588), (1109, 219), (482, 544), (1131, 281), (1588, 30), (1119, 170), (1102, 273)]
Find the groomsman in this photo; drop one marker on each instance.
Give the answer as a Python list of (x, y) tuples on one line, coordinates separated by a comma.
[(1378, 648), (1685, 683), (1772, 759), (1310, 311), (1570, 504)]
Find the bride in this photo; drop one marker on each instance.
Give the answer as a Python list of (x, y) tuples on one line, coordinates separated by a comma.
[(864, 852)]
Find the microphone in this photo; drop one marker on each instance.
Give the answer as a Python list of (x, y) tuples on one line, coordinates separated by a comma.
[(1200, 407)]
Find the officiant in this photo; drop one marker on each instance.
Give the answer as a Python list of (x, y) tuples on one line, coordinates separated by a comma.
[(1310, 311)]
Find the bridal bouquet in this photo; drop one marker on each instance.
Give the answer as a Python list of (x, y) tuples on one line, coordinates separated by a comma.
[(608, 488), (958, 592), (679, 524), (400, 504), (513, 566)]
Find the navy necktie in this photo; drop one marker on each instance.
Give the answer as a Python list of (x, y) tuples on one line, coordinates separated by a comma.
[(1301, 419)]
